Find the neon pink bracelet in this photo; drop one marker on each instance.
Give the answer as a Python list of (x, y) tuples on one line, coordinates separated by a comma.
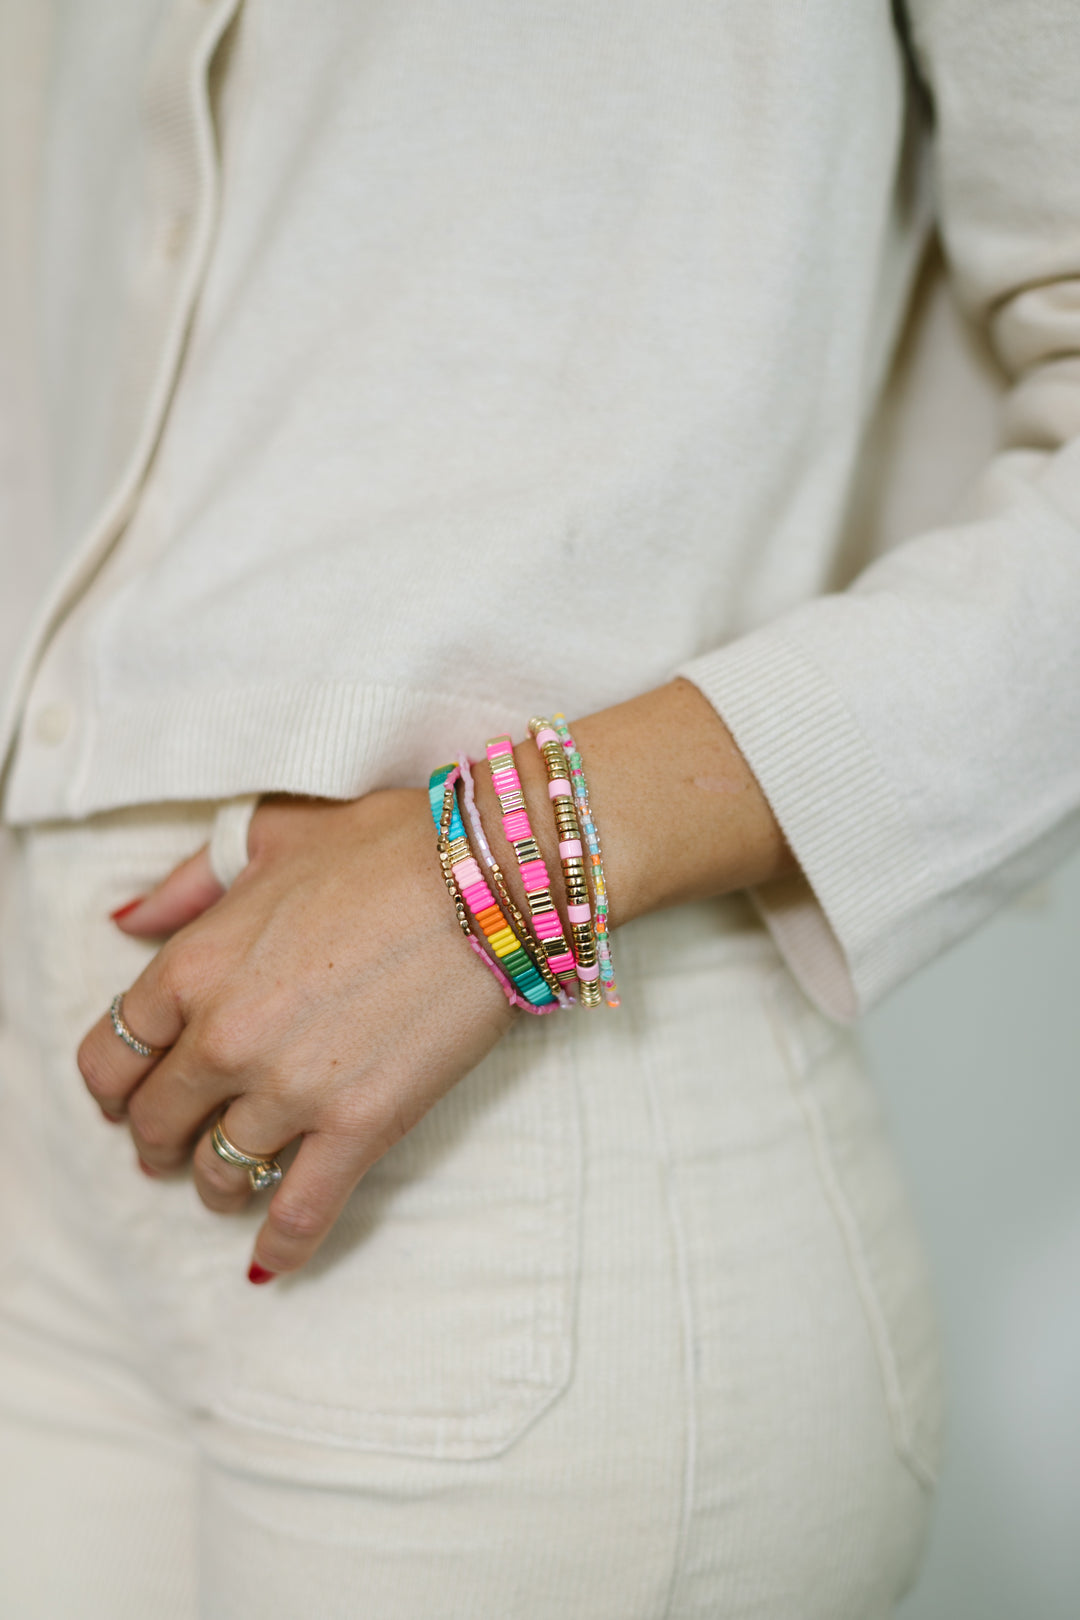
[(504, 897), (534, 873)]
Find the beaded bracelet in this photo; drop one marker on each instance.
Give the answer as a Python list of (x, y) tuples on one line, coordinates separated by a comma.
[(443, 825), (596, 862), (505, 899), (468, 889), (534, 873), (571, 854)]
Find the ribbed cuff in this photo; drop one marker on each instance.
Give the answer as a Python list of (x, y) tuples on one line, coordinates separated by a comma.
[(841, 924)]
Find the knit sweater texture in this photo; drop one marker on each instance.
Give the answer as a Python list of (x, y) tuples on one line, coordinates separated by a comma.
[(381, 375)]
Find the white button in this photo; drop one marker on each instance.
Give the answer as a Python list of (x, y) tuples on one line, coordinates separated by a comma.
[(53, 723), (174, 234)]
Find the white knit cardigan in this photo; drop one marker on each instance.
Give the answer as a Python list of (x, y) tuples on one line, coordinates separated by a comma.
[(379, 375)]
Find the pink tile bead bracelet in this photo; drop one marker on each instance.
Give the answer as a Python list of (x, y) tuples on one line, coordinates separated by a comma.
[(534, 873)]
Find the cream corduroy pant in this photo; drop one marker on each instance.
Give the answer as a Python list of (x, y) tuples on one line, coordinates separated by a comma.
[(633, 1325)]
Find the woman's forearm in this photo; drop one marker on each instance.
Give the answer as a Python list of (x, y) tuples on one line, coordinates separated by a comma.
[(680, 813), (327, 996)]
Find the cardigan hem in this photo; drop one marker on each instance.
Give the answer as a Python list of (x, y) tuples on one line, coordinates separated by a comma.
[(328, 740)]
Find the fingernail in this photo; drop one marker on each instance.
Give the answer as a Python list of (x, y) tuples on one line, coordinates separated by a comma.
[(125, 911), (113, 1119), (147, 1171), (259, 1274)]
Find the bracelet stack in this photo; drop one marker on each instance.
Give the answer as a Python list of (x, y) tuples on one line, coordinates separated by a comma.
[(470, 893), (540, 962), (529, 940)]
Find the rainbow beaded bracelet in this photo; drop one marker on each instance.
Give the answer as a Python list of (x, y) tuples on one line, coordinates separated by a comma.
[(534, 874), (596, 861), (505, 899), (455, 894), (571, 855), (468, 887)]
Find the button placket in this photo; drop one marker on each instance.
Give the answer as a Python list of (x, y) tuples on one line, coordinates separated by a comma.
[(169, 246)]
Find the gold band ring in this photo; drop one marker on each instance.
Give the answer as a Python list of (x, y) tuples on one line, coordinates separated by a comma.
[(262, 1173), (116, 1013)]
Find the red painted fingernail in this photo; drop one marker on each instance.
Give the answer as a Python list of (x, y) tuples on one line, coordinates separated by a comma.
[(125, 911), (259, 1274)]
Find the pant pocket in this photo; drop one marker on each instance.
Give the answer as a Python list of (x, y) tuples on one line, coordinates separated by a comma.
[(437, 1321), (438, 1318), (869, 1201)]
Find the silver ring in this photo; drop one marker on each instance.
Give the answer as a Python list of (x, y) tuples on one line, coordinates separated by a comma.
[(262, 1173), (116, 1013)]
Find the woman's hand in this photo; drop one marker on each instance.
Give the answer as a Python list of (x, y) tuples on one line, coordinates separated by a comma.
[(328, 996)]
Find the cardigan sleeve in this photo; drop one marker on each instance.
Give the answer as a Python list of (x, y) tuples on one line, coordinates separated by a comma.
[(918, 735)]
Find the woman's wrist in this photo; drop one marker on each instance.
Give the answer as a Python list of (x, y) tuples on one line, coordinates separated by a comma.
[(680, 812)]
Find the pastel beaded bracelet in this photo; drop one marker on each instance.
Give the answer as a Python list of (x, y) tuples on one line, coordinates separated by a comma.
[(509, 959), (534, 874), (571, 855), (591, 838)]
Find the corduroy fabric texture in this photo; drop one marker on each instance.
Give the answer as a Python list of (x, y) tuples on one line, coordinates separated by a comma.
[(633, 1325)]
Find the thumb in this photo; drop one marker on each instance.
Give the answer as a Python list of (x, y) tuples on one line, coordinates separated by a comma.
[(189, 890)]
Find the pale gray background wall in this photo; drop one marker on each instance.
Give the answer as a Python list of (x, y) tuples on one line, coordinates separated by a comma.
[(978, 1060)]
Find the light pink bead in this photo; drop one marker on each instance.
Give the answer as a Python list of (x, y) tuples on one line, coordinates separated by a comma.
[(467, 873), (579, 913), (588, 975), (570, 846), (560, 789), (546, 736)]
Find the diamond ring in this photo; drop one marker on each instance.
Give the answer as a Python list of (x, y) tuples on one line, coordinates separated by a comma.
[(116, 1013), (262, 1173)]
